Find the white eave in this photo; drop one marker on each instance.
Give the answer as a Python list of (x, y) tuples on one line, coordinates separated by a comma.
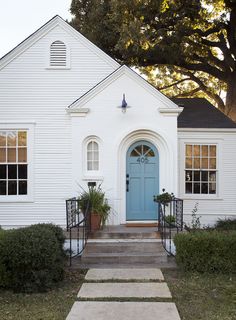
[(169, 107), (34, 37)]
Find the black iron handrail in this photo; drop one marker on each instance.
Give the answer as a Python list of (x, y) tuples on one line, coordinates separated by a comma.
[(78, 225), (170, 222)]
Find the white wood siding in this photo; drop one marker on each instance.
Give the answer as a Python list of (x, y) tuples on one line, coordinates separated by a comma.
[(223, 205), (31, 91)]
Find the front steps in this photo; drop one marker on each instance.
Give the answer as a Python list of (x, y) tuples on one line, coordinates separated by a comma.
[(129, 247)]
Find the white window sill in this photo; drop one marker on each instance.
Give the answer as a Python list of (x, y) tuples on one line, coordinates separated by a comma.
[(200, 197), (58, 68), (92, 178)]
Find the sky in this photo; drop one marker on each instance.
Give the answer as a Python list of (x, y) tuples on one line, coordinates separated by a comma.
[(20, 18)]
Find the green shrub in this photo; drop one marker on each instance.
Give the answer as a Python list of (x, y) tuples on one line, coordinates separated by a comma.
[(227, 224), (32, 259), (206, 251)]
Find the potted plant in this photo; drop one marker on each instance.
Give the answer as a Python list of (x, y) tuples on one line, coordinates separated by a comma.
[(98, 206), (170, 221), (164, 198)]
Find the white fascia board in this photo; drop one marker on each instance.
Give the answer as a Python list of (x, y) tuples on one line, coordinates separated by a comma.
[(48, 26), (134, 76), (170, 111), (227, 130)]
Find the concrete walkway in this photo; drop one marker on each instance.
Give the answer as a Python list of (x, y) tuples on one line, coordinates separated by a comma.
[(110, 291)]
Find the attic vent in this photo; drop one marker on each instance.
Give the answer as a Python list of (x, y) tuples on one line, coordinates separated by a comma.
[(58, 54)]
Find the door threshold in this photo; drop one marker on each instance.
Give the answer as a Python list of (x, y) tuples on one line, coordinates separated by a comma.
[(141, 224)]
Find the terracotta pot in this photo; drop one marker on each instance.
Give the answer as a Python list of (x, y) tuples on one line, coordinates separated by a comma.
[(95, 221)]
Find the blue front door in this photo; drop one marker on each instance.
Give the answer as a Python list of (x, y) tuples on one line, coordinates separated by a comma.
[(142, 181)]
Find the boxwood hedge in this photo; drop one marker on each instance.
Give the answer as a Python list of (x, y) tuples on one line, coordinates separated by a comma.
[(206, 251), (32, 259)]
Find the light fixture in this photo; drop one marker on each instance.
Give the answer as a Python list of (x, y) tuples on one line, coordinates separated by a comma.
[(124, 104)]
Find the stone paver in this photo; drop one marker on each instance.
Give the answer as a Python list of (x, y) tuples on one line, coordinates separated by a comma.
[(125, 290), (124, 274), (123, 311)]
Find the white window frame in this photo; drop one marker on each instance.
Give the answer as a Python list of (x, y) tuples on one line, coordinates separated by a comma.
[(29, 127), (91, 174), (48, 53), (182, 157)]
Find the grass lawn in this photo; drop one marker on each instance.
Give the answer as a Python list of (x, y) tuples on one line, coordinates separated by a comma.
[(198, 297), (53, 305), (203, 297)]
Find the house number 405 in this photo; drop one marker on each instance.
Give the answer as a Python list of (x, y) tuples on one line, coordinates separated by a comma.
[(142, 160)]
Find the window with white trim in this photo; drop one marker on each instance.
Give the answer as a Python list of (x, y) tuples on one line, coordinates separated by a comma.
[(13, 162), (58, 54), (200, 169), (92, 156)]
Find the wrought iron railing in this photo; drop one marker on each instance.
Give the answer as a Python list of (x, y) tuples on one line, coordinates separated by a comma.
[(78, 226), (170, 222)]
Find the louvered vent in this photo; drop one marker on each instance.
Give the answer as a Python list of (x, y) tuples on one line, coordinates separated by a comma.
[(58, 54)]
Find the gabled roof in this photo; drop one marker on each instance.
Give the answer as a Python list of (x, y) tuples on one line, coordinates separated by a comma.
[(55, 21), (80, 102), (200, 113)]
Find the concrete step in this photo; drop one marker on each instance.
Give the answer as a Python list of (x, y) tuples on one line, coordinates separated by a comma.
[(124, 290), (123, 232), (123, 258), (124, 274), (124, 247), (103, 310)]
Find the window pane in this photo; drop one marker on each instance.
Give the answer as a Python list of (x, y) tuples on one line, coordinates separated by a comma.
[(11, 155), (95, 156), (90, 146), (204, 163), (204, 151), (3, 188), (12, 187), (212, 151), (3, 171), (196, 163), (22, 155), (95, 146), (188, 188), (188, 163), (150, 153), (212, 188), (196, 175), (188, 176), (3, 138), (204, 175), (95, 165), (188, 150), (12, 171), (22, 138), (89, 155), (212, 176), (134, 153), (2, 154), (196, 188), (196, 151), (204, 188), (11, 138), (22, 171), (22, 187), (139, 150), (212, 163), (89, 165)]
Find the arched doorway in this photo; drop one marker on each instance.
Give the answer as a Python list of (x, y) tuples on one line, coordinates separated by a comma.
[(142, 181)]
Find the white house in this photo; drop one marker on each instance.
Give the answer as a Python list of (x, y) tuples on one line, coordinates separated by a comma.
[(63, 126)]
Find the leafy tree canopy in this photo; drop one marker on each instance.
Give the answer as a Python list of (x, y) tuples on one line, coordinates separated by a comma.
[(186, 48)]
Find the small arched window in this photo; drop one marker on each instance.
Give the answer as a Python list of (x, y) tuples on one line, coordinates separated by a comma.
[(92, 156), (58, 54)]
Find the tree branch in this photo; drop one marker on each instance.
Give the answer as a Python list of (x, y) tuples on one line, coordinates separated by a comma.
[(173, 84)]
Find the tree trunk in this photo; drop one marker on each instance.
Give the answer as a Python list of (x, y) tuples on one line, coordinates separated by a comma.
[(230, 104)]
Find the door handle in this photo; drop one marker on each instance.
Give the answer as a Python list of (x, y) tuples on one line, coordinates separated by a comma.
[(127, 183)]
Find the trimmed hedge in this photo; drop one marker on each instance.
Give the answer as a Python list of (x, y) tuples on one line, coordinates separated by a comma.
[(32, 259), (227, 224), (206, 251)]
